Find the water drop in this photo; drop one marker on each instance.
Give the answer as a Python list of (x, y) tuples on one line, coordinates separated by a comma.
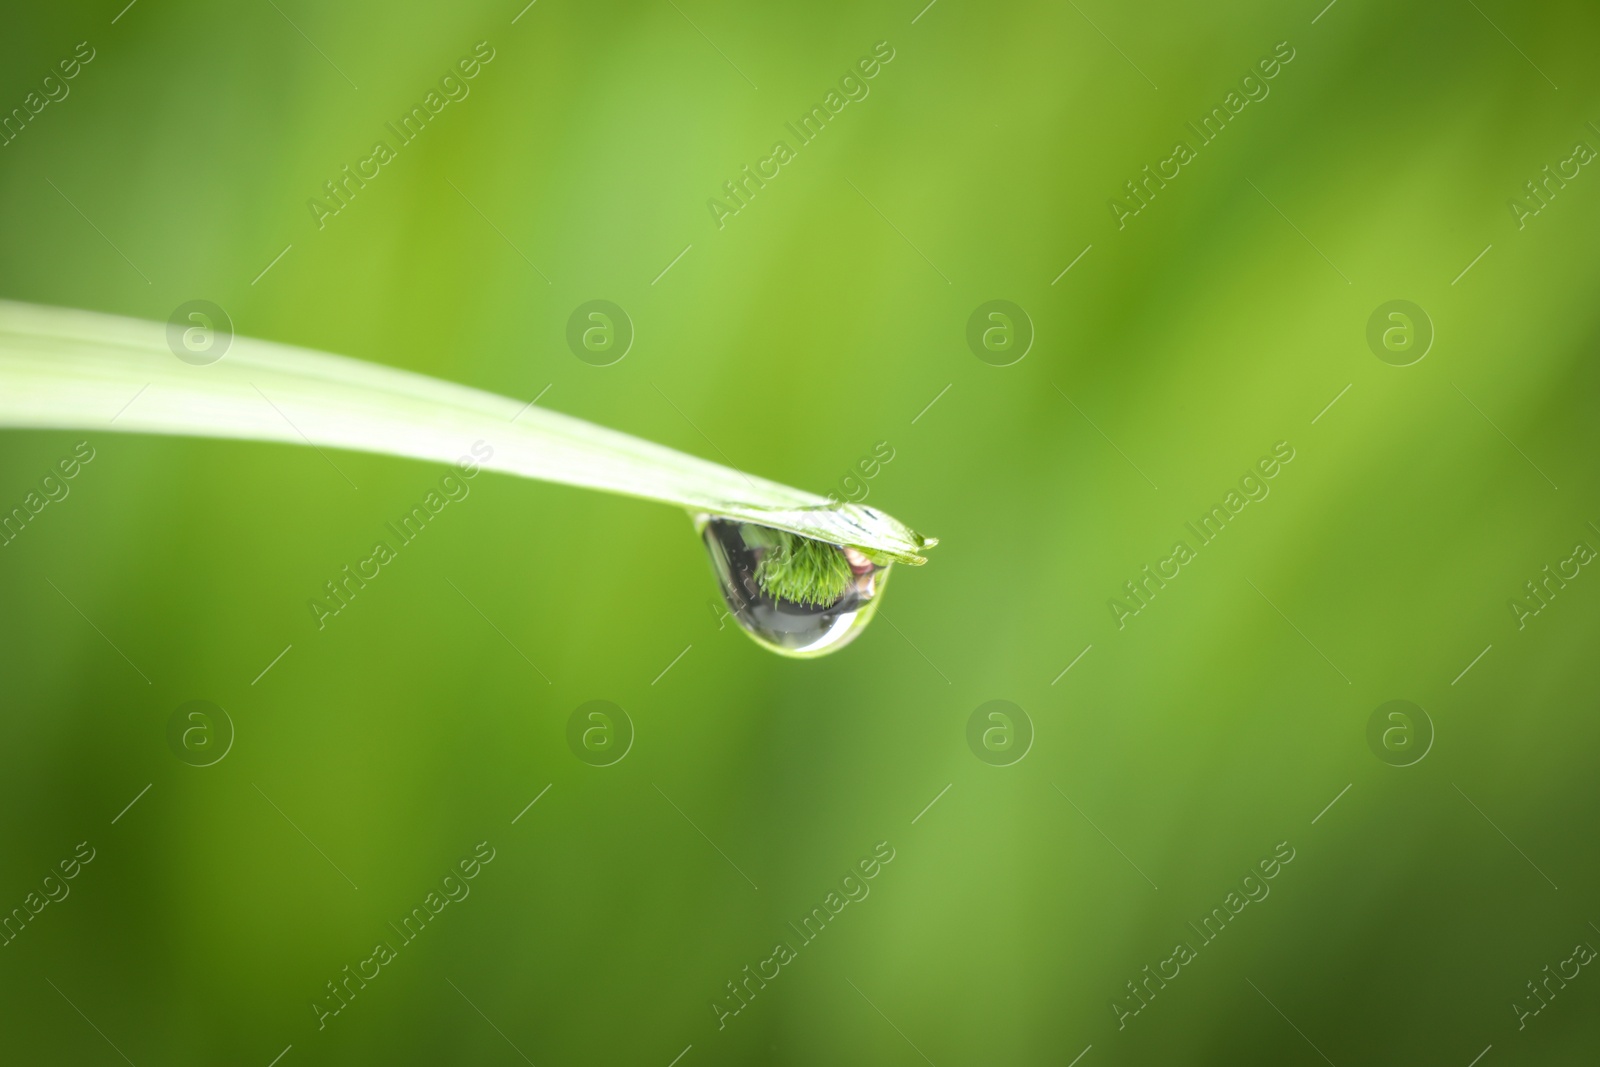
[(794, 595)]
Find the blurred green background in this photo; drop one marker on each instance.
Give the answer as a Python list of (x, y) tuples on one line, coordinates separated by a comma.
[(822, 319)]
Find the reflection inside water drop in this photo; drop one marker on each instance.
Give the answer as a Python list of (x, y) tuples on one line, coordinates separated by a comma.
[(794, 595)]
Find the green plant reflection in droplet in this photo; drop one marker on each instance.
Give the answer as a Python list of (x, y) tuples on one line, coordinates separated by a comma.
[(796, 596)]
